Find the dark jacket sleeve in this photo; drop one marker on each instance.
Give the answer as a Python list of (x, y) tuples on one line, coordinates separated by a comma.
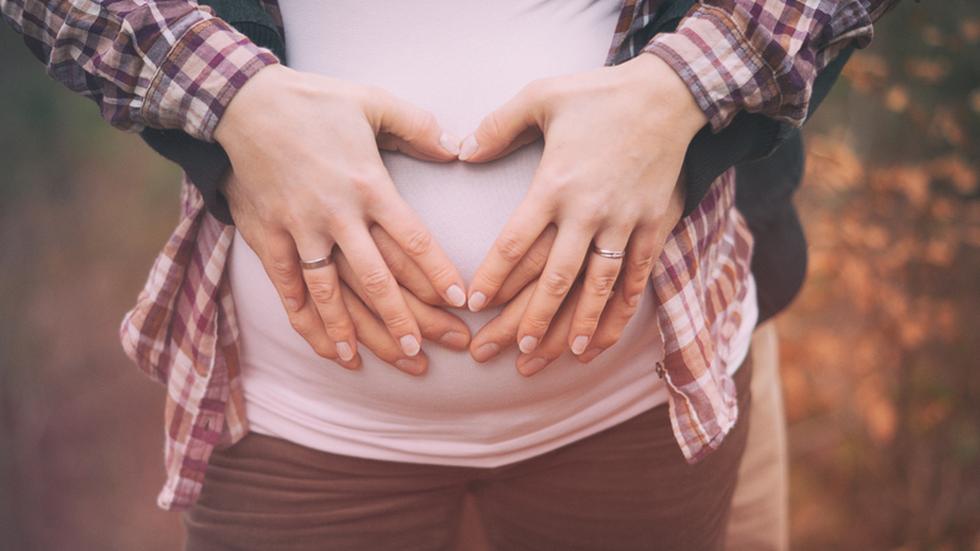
[(750, 137)]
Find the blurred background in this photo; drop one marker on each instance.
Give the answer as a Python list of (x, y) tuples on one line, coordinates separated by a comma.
[(880, 353)]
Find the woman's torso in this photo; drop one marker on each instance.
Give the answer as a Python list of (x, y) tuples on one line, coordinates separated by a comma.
[(459, 60)]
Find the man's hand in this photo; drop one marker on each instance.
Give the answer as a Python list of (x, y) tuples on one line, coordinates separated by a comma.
[(615, 139), (309, 175)]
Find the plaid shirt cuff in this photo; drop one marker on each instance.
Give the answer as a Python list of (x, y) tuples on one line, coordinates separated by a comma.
[(724, 71), (200, 75)]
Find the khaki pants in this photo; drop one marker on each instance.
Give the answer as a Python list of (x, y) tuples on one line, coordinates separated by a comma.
[(759, 518)]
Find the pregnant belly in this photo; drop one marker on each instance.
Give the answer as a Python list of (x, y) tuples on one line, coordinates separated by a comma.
[(465, 207)]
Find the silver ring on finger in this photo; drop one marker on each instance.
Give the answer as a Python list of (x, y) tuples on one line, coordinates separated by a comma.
[(315, 263), (607, 253)]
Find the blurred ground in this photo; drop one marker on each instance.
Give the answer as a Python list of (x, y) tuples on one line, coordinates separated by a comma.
[(880, 353)]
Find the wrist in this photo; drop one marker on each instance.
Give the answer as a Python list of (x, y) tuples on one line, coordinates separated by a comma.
[(257, 93), (657, 81)]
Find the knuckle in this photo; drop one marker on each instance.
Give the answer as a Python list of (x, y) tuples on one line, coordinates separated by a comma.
[(537, 323), (641, 265), (589, 318), (419, 121), (508, 246), (556, 284), (283, 270), (602, 284), (338, 328), (398, 320), (376, 282), (536, 259), (322, 290), (419, 242)]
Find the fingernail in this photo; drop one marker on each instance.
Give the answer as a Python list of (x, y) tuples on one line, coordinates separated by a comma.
[(409, 365), (449, 142), (410, 345), (477, 300), (292, 304), (579, 344), (528, 343), (531, 366), (589, 354), (454, 338), (456, 295), (486, 351), (344, 351), (468, 148)]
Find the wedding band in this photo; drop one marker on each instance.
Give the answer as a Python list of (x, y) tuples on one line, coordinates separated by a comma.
[(607, 253), (315, 263)]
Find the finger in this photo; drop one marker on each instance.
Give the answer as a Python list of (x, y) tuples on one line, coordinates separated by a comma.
[(375, 337), (513, 124), (408, 128), (553, 344), (438, 325), (641, 253), (500, 332), (277, 252), (529, 268), (323, 286), (405, 226), (600, 276), (519, 233), (307, 322), (406, 272), (379, 287), (560, 272)]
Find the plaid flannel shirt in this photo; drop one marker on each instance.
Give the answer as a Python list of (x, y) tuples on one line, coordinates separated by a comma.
[(174, 64)]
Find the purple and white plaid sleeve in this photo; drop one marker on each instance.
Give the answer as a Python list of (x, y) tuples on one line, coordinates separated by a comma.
[(762, 55), (163, 64)]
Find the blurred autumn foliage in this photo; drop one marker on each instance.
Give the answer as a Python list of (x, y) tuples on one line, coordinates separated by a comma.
[(880, 352)]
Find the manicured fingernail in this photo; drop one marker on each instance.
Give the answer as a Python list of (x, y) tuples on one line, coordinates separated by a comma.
[(528, 343), (579, 344), (589, 354), (468, 148), (456, 295), (344, 351), (477, 300), (449, 142), (533, 365), (454, 338), (292, 304), (409, 365), (486, 351), (410, 345)]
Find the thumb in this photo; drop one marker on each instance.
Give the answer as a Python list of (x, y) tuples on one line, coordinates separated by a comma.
[(414, 131), (509, 127)]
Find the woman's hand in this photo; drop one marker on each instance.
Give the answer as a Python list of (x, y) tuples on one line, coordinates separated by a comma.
[(423, 302), (615, 139), (304, 148), (500, 333)]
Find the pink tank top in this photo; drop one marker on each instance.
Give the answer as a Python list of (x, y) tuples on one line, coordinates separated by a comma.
[(458, 59)]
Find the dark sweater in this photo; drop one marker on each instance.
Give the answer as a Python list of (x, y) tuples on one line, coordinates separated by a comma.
[(768, 155)]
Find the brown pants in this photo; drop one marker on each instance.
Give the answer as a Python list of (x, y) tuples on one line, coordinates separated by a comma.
[(627, 487)]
